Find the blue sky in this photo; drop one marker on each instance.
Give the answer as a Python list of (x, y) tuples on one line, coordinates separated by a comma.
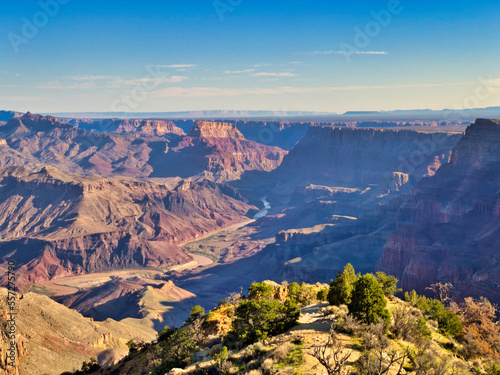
[(86, 55)]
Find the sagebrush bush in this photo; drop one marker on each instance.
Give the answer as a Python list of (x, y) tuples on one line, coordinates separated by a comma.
[(280, 353), (267, 364), (254, 350), (408, 324), (348, 325), (374, 337)]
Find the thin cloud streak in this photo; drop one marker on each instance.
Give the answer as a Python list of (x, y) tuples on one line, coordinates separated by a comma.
[(265, 74), (197, 92), (105, 82), (173, 66), (89, 77), (332, 52), (20, 99), (239, 71)]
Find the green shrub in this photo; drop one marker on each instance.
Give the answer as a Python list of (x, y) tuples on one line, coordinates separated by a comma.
[(304, 293), (494, 369), (448, 322), (341, 288), (196, 312), (388, 283), (258, 319), (322, 294), (165, 333), (177, 350), (368, 303), (260, 290)]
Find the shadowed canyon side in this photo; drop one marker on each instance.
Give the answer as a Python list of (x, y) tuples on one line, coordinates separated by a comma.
[(217, 151), (325, 190), (448, 229), (359, 157), (56, 224), (378, 163)]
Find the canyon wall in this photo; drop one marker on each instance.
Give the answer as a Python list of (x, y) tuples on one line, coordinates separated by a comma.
[(448, 229), (341, 188)]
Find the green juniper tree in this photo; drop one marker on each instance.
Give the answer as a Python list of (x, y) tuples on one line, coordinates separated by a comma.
[(341, 288), (368, 303)]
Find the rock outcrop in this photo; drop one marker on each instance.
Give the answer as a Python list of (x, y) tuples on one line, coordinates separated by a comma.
[(217, 151), (158, 128), (448, 229), (36, 140), (145, 299)]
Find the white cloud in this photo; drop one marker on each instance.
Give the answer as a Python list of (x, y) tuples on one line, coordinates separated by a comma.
[(265, 74), (87, 82), (332, 52), (239, 71), (173, 66), (58, 85), (88, 77), (160, 80)]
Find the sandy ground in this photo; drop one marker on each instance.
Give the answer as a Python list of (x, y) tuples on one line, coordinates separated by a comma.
[(202, 261), (206, 235), (73, 284)]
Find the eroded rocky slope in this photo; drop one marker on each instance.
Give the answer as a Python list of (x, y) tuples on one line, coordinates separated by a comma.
[(144, 127), (52, 338), (134, 148), (56, 224)]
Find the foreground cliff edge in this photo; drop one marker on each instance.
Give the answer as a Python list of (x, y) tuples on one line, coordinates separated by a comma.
[(292, 329)]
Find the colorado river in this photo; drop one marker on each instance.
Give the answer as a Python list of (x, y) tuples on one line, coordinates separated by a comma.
[(264, 211)]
